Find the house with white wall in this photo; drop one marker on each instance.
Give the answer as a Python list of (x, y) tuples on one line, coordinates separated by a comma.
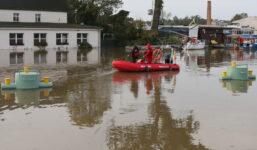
[(25, 23), (248, 24)]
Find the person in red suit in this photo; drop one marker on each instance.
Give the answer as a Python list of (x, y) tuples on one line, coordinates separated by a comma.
[(149, 54), (134, 53)]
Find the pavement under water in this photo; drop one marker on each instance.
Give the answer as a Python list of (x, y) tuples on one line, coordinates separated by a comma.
[(94, 107)]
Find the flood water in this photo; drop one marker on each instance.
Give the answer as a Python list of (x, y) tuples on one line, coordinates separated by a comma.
[(94, 107)]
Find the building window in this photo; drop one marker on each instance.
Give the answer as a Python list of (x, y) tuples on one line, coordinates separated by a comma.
[(39, 38), (62, 39), (16, 39), (16, 17), (81, 38), (16, 58), (61, 57), (38, 17)]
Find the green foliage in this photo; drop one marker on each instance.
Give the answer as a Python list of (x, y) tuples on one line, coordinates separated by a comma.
[(171, 39), (145, 36), (41, 45), (85, 46), (184, 21), (239, 16), (92, 12), (125, 30)]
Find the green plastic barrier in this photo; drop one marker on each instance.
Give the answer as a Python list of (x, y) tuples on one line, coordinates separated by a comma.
[(238, 72), (10, 86), (29, 80)]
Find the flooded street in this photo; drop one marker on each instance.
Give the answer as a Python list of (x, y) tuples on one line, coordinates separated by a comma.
[(94, 107)]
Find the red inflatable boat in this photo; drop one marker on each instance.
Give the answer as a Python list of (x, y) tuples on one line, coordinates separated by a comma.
[(125, 66)]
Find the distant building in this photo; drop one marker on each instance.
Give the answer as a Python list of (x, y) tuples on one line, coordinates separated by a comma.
[(205, 32), (24, 24), (249, 23)]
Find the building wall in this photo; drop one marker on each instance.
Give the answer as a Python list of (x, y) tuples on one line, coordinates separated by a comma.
[(209, 34), (250, 21), (29, 16), (93, 38)]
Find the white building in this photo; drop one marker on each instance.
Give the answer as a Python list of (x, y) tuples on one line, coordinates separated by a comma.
[(249, 23), (27, 23)]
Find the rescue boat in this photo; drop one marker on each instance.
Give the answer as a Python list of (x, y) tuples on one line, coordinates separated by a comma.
[(126, 66)]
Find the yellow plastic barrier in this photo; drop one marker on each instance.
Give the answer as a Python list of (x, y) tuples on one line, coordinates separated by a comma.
[(224, 74), (250, 73), (7, 81), (46, 80), (26, 69), (233, 64)]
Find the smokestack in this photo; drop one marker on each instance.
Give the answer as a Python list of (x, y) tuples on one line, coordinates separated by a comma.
[(209, 19)]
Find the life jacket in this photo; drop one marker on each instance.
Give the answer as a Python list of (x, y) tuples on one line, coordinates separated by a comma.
[(134, 52)]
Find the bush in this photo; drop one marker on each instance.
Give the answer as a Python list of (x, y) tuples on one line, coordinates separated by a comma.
[(85, 46), (169, 40), (40, 44)]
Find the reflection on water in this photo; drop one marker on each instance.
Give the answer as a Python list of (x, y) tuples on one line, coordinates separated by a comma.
[(88, 102), (50, 57), (236, 86), (162, 131), (151, 80), (197, 59), (23, 98), (94, 107), (16, 58), (40, 58)]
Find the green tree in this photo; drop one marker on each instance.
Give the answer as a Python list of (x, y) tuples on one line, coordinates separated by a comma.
[(184, 21), (92, 12), (239, 16)]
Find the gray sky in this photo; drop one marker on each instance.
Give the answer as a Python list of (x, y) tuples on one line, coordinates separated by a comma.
[(221, 9)]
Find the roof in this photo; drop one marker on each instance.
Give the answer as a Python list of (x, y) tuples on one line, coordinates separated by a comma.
[(250, 21), (246, 36), (215, 27), (45, 25), (38, 5)]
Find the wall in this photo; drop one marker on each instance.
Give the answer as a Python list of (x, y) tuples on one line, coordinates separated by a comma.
[(250, 21), (29, 16), (28, 38)]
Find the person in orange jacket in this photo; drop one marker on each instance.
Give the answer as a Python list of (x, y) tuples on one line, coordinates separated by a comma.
[(149, 54)]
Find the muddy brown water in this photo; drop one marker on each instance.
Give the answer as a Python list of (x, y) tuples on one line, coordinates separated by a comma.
[(94, 107)]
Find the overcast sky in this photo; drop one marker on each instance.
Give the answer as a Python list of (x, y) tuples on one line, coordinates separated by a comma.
[(221, 9)]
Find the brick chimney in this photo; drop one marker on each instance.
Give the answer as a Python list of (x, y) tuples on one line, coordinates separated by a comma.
[(209, 19)]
